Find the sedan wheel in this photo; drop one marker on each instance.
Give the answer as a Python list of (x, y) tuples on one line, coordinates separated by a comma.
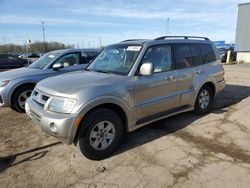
[(23, 97)]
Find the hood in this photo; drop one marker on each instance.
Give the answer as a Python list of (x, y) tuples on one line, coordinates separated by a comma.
[(72, 83), (18, 73)]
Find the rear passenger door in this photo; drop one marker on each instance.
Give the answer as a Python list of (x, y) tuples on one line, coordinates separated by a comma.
[(190, 63), (187, 62), (156, 94)]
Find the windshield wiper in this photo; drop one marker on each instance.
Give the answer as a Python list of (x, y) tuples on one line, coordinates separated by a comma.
[(102, 71)]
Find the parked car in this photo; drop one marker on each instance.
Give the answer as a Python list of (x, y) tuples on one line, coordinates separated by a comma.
[(233, 55), (128, 85), (16, 85), (31, 55), (9, 61)]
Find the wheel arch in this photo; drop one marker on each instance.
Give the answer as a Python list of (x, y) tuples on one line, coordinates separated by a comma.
[(209, 83), (33, 84), (117, 108)]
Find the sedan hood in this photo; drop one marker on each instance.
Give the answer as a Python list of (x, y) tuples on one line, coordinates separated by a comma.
[(72, 83), (18, 73)]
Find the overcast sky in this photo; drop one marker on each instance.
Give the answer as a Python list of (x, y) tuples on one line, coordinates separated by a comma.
[(85, 22)]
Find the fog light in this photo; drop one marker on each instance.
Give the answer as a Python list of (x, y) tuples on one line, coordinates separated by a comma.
[(53, 127)]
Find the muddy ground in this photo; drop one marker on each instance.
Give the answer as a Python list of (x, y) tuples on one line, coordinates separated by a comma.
[(182, 151)]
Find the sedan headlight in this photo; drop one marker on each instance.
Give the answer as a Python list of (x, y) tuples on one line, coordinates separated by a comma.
[(61, 105), (4, 83)]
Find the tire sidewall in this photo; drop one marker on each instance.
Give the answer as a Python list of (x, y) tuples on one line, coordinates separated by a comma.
[(15, 105), (94, 118), (197, 108)]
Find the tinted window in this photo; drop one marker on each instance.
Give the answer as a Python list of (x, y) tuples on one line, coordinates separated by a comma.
[(2, 56), (195, 50), (12, 57), (183, 56), (86, 57), (207, 53), (160, 56)]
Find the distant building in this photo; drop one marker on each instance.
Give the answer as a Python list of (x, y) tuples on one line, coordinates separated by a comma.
[(242, 41)]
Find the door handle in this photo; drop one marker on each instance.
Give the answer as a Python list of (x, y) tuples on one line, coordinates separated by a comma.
[(169, 78), (198, 71)]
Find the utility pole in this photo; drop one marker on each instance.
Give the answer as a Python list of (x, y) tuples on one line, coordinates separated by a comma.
[(44, 37), (168, 26)]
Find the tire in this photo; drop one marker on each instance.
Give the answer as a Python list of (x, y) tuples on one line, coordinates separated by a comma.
[(203, 104), (25, 65), (91, 137), (19, 97)]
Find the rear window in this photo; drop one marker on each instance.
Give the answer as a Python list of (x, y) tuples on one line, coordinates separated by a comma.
[(207, 53)]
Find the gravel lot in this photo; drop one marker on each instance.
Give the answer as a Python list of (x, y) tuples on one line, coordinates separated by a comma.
[(182, 151)]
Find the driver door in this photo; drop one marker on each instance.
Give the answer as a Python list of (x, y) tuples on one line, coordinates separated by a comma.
[(156, 94)]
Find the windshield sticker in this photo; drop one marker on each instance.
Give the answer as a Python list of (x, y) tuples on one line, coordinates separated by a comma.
[(52, 56), (134, 48)]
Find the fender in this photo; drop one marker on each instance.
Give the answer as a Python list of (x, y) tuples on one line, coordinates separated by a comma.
[(130, 113)]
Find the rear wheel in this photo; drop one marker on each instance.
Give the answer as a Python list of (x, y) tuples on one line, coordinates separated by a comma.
[(100, 134), (19, 97), (203, 101), (25, 65)]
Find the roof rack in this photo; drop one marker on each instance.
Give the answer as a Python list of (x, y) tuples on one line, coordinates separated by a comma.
[(129, 40), (184, 37)]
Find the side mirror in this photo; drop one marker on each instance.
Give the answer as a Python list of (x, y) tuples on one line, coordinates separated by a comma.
[(147, 69), (57, 66)]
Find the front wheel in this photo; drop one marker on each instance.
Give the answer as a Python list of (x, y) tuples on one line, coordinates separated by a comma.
[(19, 97), (100, 134), (203, 101)]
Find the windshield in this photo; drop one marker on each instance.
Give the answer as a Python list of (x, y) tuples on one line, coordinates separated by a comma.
[(44, 60), (115, 59)]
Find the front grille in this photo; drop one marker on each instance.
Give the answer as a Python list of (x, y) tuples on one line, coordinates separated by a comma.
[(35, 117), (39, 98)]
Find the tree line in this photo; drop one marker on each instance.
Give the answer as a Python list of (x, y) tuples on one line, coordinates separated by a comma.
[(34, 47)]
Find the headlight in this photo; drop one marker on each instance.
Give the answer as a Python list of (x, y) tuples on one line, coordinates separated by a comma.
[(4, 83), (61, 105)]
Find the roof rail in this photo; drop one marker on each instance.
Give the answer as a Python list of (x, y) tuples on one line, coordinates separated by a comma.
[(129, 40), (184, 37)]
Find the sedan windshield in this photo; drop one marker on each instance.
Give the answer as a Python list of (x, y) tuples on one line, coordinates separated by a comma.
[(115, 59), (44, 60)]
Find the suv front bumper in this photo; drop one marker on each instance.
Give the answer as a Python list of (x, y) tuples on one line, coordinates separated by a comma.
[(58, 125)]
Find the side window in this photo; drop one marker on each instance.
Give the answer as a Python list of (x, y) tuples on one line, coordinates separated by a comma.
[(69, 59), (160, 56), (207, 53), (195, 50), (183, 56), (87, 57)]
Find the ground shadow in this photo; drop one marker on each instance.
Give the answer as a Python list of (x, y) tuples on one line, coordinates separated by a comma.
[(232, 94), (9, 161)]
